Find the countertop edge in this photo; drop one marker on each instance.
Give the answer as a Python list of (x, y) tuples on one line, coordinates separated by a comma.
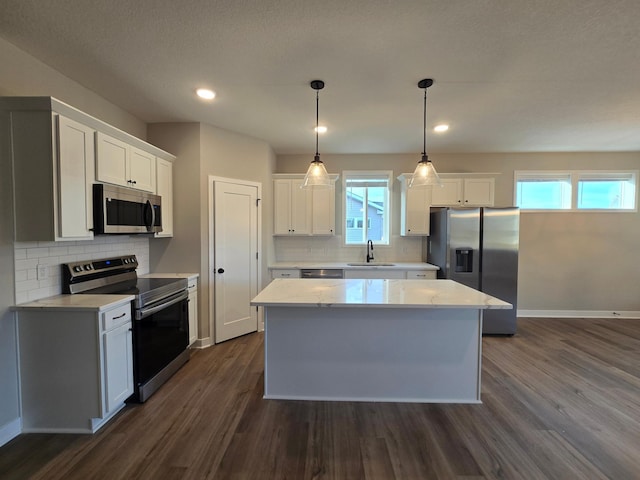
[(98, 303)]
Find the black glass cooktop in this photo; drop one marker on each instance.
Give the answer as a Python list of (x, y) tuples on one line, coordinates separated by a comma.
[(139, 286)]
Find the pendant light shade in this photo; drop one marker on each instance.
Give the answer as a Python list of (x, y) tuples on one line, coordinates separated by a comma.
[(317, 175), (425, 173)]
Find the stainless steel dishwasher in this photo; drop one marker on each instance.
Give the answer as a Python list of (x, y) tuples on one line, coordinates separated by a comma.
[(322, 273)]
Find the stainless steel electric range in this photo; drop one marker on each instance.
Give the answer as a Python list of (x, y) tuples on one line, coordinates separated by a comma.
[(160, 315)]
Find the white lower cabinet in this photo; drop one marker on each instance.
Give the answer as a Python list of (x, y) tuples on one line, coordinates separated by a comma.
[(375, 273), (118, 366), (285, 273), (192, 286), (76, 367), (390, 274), (421, 275)]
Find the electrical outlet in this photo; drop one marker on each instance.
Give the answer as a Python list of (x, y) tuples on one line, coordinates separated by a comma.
[(43, 272)]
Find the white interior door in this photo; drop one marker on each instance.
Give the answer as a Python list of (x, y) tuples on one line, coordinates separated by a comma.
[(235, 259)]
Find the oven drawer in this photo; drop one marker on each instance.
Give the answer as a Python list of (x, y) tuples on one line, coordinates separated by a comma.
[(116, 317)]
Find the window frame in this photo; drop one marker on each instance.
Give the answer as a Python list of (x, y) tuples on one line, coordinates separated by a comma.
[(386, 175), (575, 177)]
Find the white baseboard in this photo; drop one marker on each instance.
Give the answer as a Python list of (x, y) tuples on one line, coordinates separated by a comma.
[(202, 343), (10, 431), (578, 314)]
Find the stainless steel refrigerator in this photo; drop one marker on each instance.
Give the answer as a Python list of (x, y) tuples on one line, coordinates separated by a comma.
[(478, 247)]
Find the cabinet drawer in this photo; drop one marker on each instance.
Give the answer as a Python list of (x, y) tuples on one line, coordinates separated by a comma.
[(421, 275), (116, 317), (288, 273)]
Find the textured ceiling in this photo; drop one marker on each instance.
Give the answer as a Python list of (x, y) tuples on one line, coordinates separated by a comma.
[(510, 76)]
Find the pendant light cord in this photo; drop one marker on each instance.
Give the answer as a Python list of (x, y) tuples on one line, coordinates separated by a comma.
[(317, 108), (424, 125)]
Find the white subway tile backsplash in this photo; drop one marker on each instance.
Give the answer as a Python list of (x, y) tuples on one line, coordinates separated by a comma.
[(26, 264), (38, 252), (28, 255), (332, 249)]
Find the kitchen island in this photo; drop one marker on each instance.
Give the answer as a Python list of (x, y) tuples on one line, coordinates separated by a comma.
[(373, 340)]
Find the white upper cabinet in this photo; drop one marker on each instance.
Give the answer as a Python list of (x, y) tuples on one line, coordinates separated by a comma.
[(463, 192), (323, 211), (292, 208), (122, 164), (57, 153), (53, 170), (479, 192), (448, 194), (303, 211), (164, 188), (76, 170), (414, 208)]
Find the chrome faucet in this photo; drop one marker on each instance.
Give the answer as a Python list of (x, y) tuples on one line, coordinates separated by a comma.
[(369, 251)]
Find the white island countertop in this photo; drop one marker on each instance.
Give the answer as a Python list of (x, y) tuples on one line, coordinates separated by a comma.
[(376, 293)]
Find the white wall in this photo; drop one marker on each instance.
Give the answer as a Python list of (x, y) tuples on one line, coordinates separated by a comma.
[(568, 261)]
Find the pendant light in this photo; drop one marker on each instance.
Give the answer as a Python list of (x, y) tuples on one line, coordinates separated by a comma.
[(425, 173), (317, 175)]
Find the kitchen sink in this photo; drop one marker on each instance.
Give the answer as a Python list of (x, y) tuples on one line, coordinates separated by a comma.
[(371, 264)]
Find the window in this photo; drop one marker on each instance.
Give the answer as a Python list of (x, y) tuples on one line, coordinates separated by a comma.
[(366, 202), (576, 190), (606, 191), (543, 191)]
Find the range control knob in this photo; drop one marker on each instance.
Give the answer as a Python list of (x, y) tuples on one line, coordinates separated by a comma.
[(87, 267), (126, 260), (77, 268)]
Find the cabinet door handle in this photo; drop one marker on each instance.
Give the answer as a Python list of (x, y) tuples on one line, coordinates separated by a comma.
[(119, 316), (221, 270)]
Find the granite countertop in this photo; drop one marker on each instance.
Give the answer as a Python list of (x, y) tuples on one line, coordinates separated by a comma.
[(382, 265), (76, 302), (298, 292)]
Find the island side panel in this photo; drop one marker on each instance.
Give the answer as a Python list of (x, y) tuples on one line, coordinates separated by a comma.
[(368, 354)]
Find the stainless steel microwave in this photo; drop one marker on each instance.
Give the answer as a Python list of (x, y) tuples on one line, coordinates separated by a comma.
[(125, 211)]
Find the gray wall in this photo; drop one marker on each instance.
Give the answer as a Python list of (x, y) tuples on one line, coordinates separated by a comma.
[(204, 150), (568, 261), (9, 407)]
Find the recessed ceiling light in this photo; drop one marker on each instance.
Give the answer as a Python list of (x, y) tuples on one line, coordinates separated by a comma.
[(206, 94), (441, 128), (320, 129)]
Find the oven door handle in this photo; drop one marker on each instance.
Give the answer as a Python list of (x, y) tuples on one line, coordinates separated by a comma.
[(178, 297)]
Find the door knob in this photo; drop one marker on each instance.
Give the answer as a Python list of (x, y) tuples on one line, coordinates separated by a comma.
[(221, 270)]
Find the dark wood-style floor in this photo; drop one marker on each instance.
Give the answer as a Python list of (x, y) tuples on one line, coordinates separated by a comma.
[(561, 400)]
